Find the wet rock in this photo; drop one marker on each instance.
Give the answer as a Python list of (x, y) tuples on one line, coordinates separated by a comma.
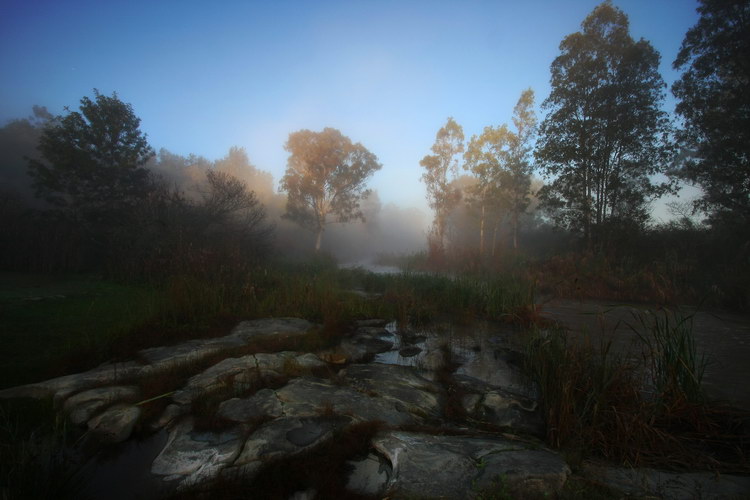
[(191, 457), (364, 343), (497, 367), (170, 413), (495, 406), (455, 466), (263, 403), (308, 396), (370, 476), (115, 424), (62, 387), (371, 322), (402, 385), (82, 406), (283, 438), (670, 485), (238, 374), (410, 351)]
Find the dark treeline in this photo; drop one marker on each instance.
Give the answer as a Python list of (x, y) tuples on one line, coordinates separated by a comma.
[(570, 192)]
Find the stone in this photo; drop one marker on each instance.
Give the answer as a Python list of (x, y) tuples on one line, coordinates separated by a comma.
[(283, 328), (191, 457), (402, 385), (115, 424), (309, 396), (82, 406), (455, 466), (409, 351), (286, 437), (369, 476), (495, 406), (262, 404)]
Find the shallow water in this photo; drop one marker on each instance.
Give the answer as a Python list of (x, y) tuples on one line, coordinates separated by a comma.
[(723, 337)]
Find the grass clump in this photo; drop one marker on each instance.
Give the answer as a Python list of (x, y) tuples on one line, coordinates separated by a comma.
[(638, 413)]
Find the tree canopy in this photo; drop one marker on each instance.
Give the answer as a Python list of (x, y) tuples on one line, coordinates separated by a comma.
[(441, 167), (93, 160), (714, 101), (325, 179), (605, 133)]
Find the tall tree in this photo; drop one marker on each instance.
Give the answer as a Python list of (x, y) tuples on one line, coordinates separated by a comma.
[(441, 167), (500, 159), (93, 160), (325, 179), (605, 133), (715, 105)]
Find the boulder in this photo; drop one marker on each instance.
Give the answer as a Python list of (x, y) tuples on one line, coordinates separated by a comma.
[(82, 406), (370, 476), (455, 466), (262, 404), (115, 424), (191, 457)]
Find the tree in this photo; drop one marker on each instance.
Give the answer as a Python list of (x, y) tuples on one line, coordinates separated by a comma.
[(605, 134), (237, 164), (499, 158), (714, 102), (93, 160), (325, 179), (449, 144)]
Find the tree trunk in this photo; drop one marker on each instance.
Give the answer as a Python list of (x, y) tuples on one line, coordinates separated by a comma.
[(318, 239), (481, 233)]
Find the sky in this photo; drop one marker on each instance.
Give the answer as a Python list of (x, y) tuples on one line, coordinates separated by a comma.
[(206, 76)]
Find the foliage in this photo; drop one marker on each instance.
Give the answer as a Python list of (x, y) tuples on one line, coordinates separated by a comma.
[(499, 159), (604, 135), (93, 160), (437, 176), (715, 105), (325, 176)]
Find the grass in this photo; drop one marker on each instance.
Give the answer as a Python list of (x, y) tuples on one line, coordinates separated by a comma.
[(600, 403)]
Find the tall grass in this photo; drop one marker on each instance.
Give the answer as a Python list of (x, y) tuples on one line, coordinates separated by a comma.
[(638, 412)]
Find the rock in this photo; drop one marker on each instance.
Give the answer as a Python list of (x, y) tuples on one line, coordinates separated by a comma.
[(239, 374), (170, 413), (191, 457), (670, 485), (400, 384), (263, 403), (501, 408), (308, 396), (455, 466), (61, 387), (498, 368), (364, 343), (370, 476), (286, 437), (115, 424), (82, 406), (371, 323), (409, 351)]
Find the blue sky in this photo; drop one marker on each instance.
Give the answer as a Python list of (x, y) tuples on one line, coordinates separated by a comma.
[(205, 76)]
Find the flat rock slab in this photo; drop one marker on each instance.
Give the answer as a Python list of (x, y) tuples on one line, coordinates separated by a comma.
[(647, 482), (262, 404), (115, 424), (84, 405), (284, 328), (191, 457), (401, 384), (462, 466), (284, 438), (370, 476), (307, 396), (240, 373)]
